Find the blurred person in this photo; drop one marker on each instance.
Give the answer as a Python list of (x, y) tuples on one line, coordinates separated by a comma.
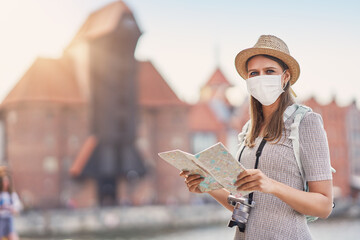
[(9, 206), (281, 204)]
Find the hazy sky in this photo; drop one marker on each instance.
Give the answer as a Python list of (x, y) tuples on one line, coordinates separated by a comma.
[(181, 38)]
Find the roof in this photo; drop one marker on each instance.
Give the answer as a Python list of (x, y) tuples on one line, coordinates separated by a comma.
[(51, 80), (202, 118), (153, 90), (216, 88), (218, 78), (330, 106), (46, 80), (102, 21)]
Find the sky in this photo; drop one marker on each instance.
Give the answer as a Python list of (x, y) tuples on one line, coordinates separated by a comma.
[(187, 40)]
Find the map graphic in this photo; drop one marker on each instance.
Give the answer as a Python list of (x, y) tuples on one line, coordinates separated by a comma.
[(218, 167)]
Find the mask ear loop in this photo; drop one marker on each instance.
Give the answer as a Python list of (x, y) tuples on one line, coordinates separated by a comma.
[(292, 91)]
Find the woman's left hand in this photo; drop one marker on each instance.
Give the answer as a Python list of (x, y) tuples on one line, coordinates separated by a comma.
[(254, 180)]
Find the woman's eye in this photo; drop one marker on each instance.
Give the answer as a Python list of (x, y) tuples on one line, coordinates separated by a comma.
[(253, 74), (269, 71)]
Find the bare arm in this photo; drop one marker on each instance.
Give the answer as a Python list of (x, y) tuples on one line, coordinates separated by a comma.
[(317, 202), (221, 196)]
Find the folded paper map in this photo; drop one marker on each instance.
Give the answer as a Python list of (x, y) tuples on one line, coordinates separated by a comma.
[(218, 167)]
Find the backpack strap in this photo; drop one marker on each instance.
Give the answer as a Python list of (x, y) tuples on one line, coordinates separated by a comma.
[(295, 139), (242, 135), (294, 136), (300, 112)]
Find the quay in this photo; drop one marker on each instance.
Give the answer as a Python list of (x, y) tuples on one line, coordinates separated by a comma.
[(144, 219)]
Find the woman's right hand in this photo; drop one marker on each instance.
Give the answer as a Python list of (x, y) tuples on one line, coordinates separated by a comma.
[(192, 181)]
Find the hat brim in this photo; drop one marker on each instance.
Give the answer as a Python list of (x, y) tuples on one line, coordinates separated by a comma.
[(242, 57)]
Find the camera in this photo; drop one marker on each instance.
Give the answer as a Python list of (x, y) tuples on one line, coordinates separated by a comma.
[(240, 215)]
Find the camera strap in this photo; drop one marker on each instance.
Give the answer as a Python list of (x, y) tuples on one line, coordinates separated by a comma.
[(258, 154)]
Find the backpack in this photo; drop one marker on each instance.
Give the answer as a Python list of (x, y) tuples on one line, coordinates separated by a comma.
[(299, 111)]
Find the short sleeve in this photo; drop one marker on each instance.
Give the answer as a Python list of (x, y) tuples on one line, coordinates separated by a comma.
[(314, 148), (16, 202)]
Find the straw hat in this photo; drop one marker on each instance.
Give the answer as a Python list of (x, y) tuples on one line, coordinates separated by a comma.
[(268, 45)]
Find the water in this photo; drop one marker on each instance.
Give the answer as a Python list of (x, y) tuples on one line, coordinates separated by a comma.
[(348, 229), (331, 229)]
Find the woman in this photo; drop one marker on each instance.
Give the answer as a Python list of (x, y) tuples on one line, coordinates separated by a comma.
[(9, 205), (281, 203)]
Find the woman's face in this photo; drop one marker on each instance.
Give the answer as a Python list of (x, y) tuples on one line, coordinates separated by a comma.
[(260, 65)]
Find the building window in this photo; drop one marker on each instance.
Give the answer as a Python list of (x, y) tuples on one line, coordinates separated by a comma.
[(73, 142), (12, 117), (202, 140), (50, 165), (142, 143)]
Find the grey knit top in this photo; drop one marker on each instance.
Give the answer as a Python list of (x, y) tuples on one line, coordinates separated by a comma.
[(271, 218)]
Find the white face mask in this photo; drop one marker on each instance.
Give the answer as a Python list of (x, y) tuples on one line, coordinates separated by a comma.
[(265, 88)]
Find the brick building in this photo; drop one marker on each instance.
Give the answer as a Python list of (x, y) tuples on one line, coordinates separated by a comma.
[(84, 130), (41, 124), (163, 126), (353, 139)]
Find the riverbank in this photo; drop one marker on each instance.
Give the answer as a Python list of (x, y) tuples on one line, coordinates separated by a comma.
[(320, 230), (125, 221)]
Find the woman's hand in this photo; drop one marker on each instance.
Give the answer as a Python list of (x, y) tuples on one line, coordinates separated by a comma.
[(254, 180), (317, 202), (192, 181)]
